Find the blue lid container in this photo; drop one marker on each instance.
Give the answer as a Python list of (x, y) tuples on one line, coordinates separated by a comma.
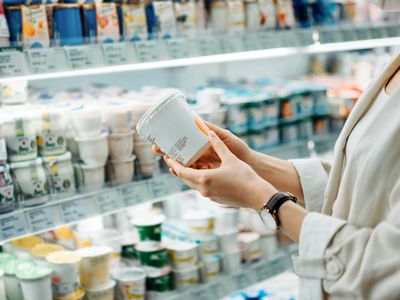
[(152, 21), (67, 24), (120, 20), (89, 22), (326, 12), (14, 2), (14, 21)]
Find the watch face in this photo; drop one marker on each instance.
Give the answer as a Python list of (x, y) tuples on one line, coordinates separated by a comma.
[(267, 219)]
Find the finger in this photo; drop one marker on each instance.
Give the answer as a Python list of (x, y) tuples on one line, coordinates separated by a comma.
[(219, 147), (183, 172), (172, 172), (222, 133), (156, 150)]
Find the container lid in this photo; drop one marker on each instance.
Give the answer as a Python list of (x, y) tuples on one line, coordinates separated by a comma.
[(33, 273), (128, 275), (182, 246), (11, 266), (248, 237), (5, 256), (78, 295), (121, 134), (132, 158), (149, 246), (63, 257), (59, 158), (148, 220), (109, 285), (157, 272), (42, 250), (26, 164), (94, 251), (27, 242)]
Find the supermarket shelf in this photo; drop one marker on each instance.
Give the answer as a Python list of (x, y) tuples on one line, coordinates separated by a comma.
[(38, 64), (71, 210)]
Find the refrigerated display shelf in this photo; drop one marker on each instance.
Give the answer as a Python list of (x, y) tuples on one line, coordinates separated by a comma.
[(37, 64)]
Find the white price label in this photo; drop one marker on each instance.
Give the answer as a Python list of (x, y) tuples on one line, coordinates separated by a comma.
[(147, 51), (251, 42), (393, 31), (72, 211), (12, 226), (363, 34), (349, 34), (108, 202), (136, 193), (231, 44), (11, 64), (41, 219), (177, 48), (79, 57), (42, 60), (208, 46), (115, 54), (202, 294)]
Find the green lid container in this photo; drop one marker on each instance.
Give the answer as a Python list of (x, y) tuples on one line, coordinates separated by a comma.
[(152, 254), (34, 272)]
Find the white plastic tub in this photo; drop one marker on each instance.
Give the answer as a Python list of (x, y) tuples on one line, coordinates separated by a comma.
[(89, 178), (121, 171), (104, 292), (93, 151), (121, 145), (50, 133), (131, 283), (232, 261), (183, 255), (186, 278), (35, 283), (118, 118), (228, 240), (143, 151), (86, 122), (149, 168)]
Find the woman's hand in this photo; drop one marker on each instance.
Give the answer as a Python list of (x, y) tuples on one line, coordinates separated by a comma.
[(232, 182)]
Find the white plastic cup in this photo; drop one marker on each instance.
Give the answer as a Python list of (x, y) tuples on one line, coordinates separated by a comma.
[(210, 97), (183, 255), (118, 119), (104, 292), (209, 245), (211, 267), (2, 286), (94, 268), (228, 240), (186, 278), (64, 278), (149, 168), (89, 178), (143, 152), (232, 261), (120, 172), (175, 128), (121, 145), (93, 151), (86, 122), (199, 222), (112, 239), (131, 283), (36, 283)]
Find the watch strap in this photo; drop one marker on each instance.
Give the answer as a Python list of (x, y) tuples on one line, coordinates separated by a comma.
[(277, 200)]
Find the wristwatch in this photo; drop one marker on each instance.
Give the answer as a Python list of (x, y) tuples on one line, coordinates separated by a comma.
[(269, 212)]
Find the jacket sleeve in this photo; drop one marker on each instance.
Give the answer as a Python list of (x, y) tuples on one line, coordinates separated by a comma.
[(350, 262), (313, 174)]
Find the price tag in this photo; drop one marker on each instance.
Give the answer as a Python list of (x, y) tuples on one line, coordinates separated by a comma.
[(202, 294), (243, 279), (393, 31), (12, 226), (231, 44), (251, 42), (134, 194), (220, 288), (349, 34), (41, 219), (72, 211), (11, 64), (362, 34), (147, 51), (305, 37), (160, 187), (42, 60), (79, 57), (177, 48), (376, 33), (327, 36), (287, 38), (208, 46), (115, 54), (108, 202)]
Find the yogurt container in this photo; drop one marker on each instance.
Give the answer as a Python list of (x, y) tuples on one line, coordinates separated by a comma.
[(31, 181), (250, 242), (35, 283), (2, 286), (186, 278), (175, 128), (78, 295), (14, 91), (121, 171), (50, 134), (10, 268), (86, 122), (118, 119), (20, 138), (232, 261), (228, 240), (144, 152), (112, 239), (149, 227), (199, 222), (121, 145), (210, 97), (64, 278), (3, 147), (158, 280), (152, 254), (94, 150), (211, 266), (226, 218), (104, 292), (40, 251), (131, 283), (183, 255), (61, 173), (23, 246), (94, 268), (150, 168), (7, 202), (219, 16), (89, 178), (209, 245)]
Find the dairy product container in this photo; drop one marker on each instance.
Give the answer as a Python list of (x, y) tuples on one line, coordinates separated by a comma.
[(35, 283), (165, 18), (12, 284), (158, 280), (93, 151), (22, 246), (150, 168), (269, 245), (113, 240), (86, 122), (143, 151), (236, 16), (149, 227), (183, 255), (14, 91), (152, 254), (121, 145), (252, 14), (40, 251), (7, 202), (134, 22), (209, 245), (199, 222), (35, 33), (228, 240), (104, 292), (89, 178), (107, 23), (131, 283), (78, 295), (211, 266), (185, 13), (250, 242), (67, 13), (186, 278), (50, 133), (121, 171), (219, 16)]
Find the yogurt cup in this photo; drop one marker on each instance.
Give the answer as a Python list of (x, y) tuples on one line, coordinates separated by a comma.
[(3, 147), (209, 245), (120, 145), (175, 128), (20, 137), (228, 240), (183, 255), (23, 246), (2, 286), (61, 173), (149, 227), (93, 151), (89, 178), (31, 181), (50, 134), (7, 202), (226, 219), (121, 171), (210, 97), (64, 278), (143, 151), (158, 280), (186, 278), (250, 242), (118, 119), (199, 222), (211, 266), (150, 168), (10, 268), (131, 283), (94, 268), (152, 254), (112, 239), (78, 295), (104, 292), (86, 122), (40, 251), (35, 283), (232, 261)]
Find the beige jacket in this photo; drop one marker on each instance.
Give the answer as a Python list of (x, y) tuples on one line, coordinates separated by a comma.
[(350, 243)]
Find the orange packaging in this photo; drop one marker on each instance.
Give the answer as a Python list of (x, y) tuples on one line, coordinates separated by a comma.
[(107, 23), (35, 29)]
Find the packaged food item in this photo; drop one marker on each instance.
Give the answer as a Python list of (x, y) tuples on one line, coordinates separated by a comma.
[(93, 151), (183, 138), (131, 283), (158, 281), (35, 283), (256, 115), (143, 151), (228, 240), (252, 14), (72, 34), (285, 14), (271, 136), (271, 111), (12, 284), (120, 146), (183, 255), (121, 171), (89, 178), (186, 278), (104, 292), (35, 33), (185, 13), (89, 22), (149, 227), (86, 122), (208, 245), (134, 22), (303, 13), (219, 16), (94, 268), (14, 92), (4, 31), (326, 12), (31, 182), (23, 246), (50, 134), (150, 168), (112, 239), (289, 132), (14, 21), (250, 241), (232, 261), (268, 18), (78, 295), (211, 266), (236, 16), (165, 18), (7, 202), (321, 125), (107, 23), (152, 254), (40, 251), (199, 222)]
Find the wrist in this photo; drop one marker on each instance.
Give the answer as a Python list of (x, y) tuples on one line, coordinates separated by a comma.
[(262, 194), (251, 157)]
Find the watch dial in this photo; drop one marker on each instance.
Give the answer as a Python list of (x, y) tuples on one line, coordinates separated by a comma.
[(267, 219)]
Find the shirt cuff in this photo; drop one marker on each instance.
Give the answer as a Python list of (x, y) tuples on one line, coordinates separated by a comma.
[(313, 179)]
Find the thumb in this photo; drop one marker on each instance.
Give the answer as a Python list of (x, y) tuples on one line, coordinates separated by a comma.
[(219, 147)]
